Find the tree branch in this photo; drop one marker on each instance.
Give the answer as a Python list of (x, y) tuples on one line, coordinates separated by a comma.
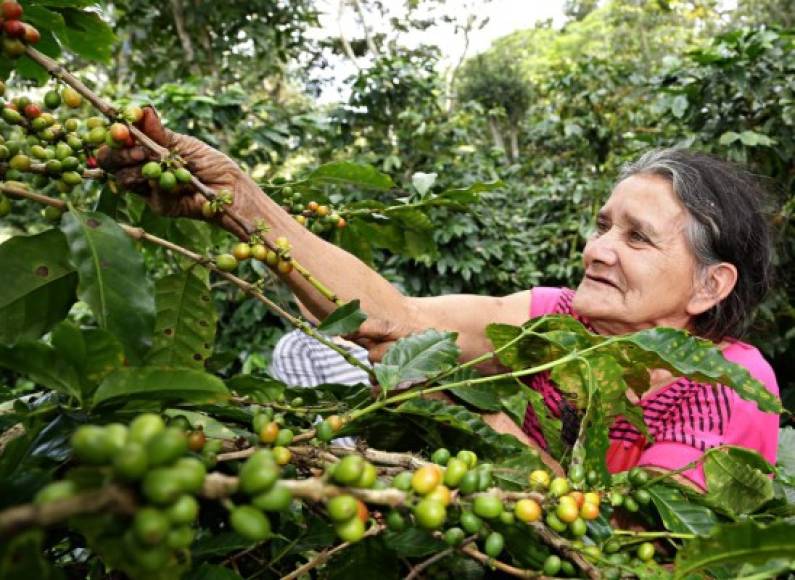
[(324, 556), (110, 498)]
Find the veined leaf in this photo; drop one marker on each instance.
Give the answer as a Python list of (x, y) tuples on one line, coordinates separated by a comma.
[(695, 358), (500, 446), (466, 195), (483, 396), (259, 389), (786, 452), (186, 319), (418, 357), (735, 485), (680, 515), (160, 384), (88, 35), (113, 279), (355, 174), (344, 320), (43, 365), (39, 286), (743, 543), (597, 438), (93, 352)]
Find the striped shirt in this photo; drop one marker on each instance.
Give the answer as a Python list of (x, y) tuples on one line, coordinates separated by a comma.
[(684, 418), (301, 361)]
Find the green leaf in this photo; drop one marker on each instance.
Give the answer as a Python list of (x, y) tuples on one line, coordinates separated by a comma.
[(467, 195), (597, 437), (113, 279), (43, 365), (418, 357), (728, 138), (88, 35), (698, 359), (412, 219), (93, 352), (734, 484), (679, 106), (260, 390), (186, 319), (743, 543), (483, 396), (344, 320), (498, 445), (413, 542), (354, 174), (550, 425), (678, 514), (786, 452), (39, 286), (160, 384)]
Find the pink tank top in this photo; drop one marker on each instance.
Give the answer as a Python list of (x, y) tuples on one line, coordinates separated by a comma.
[(684, 418)]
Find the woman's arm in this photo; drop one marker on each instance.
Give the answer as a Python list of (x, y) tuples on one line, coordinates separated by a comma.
[(391, 315)]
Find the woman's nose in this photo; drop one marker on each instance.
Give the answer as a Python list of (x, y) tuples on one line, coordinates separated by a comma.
[(601, 248)]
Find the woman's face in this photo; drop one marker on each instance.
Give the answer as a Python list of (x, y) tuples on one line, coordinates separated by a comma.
[(639, 270)]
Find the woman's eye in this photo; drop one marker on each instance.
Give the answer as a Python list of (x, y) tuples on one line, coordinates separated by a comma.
[(638, 237), (602, 227)]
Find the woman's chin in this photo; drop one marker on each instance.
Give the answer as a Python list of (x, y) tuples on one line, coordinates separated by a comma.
[(594, 303)]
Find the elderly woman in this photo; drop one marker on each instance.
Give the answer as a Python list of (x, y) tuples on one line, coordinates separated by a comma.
[(680, 242)]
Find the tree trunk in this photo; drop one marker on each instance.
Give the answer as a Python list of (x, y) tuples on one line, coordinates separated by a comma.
[(496, 136), (182, 34)]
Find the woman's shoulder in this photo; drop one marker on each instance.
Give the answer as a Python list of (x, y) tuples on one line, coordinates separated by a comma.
[(752, 359), (551, 300)]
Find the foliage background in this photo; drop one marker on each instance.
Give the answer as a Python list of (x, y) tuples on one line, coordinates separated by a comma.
[(552, 112)]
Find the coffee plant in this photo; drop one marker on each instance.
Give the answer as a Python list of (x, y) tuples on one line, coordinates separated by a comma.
[(124, 452)]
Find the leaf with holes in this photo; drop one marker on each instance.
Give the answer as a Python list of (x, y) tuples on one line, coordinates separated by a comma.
[(113, 279), (678, 514), (39, 285), (734, 484), (186, 319)]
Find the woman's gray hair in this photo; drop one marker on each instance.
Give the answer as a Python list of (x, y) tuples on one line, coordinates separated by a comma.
[(728, 224)]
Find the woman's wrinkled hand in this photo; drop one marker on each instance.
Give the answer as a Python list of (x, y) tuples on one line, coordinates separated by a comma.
[(211, 167)]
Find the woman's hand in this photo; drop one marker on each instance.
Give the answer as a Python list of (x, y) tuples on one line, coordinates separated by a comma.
[(211, 167)]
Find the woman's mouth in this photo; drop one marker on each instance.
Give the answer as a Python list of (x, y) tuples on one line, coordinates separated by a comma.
[(601, 280)]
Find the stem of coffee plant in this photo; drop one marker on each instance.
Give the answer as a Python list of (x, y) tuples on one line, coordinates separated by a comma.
[(247, 287), (59, 72)]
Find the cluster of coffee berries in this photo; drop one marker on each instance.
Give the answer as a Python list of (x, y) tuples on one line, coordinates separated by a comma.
[(258, 481), (49, 146), (16, 33), (165, 176), (569, 507), (319, 218), (271, 432), (278, 260), (159, 461), (349, 514)]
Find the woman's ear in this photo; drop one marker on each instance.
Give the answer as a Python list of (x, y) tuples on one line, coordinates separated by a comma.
[(714, 285)]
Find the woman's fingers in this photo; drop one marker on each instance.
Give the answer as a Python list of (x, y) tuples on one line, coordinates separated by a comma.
[(113, 159), (130, 178), (150, 124)]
